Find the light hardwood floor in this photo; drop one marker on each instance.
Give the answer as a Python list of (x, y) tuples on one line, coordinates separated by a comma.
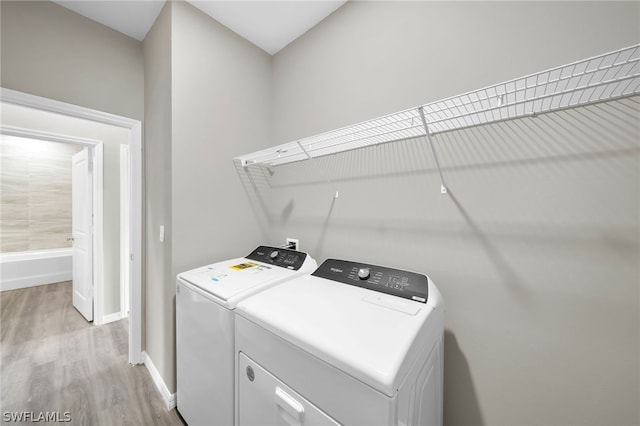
[(54, 360)]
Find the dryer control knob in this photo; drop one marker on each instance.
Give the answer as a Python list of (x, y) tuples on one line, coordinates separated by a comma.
[(274, 254), (363, 273)]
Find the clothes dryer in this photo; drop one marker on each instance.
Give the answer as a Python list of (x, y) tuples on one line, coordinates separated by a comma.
[(350, 344), (206, 298)]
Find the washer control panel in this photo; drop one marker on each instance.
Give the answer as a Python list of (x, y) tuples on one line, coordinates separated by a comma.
[(281, 257), (378, 278)]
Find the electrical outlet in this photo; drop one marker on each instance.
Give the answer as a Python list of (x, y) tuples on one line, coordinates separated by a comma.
[(293, 244)]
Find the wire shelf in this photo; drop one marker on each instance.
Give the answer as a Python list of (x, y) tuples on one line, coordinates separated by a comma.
[(601, 78)]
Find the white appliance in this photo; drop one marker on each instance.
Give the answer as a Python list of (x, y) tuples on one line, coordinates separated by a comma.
[(205, 301), (351, 344)]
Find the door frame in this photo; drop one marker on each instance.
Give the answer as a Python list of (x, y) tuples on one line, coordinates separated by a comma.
[(96, 157), (135, 219), (125, 214)]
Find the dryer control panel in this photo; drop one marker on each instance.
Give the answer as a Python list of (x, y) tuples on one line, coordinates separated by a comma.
[(408, 285), (284, 258)]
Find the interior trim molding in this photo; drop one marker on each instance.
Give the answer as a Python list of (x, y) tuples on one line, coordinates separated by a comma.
[(135, 146), (116, 316), (51, 105), (168, 397), (96, 152)]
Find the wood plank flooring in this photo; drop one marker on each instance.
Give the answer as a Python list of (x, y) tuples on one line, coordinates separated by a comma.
[(52, 359)]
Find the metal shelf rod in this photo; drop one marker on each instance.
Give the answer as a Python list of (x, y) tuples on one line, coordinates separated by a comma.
[(526, 87), (525, 101), (443, 187), (326, 176), (609, 76), (308, 150), (503, 120)]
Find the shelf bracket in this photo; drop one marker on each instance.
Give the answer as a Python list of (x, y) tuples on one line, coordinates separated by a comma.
[(443, 186), (309, 157)]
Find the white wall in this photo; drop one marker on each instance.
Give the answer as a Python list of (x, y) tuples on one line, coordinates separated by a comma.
[(159, 290), (217, 109), (221, 99), (536, 248), (536, 251), (373, 58), (49, 51), (112, 137)]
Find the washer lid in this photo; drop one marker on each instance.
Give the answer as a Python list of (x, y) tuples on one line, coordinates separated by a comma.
[(372, 336), (231, 280)]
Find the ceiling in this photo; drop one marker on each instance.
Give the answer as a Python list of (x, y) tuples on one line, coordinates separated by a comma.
[(270, 25)]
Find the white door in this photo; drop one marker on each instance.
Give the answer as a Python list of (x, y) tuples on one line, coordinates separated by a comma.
[(82, 212)]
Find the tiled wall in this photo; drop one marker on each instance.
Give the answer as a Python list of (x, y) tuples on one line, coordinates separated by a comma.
[(35, 194)]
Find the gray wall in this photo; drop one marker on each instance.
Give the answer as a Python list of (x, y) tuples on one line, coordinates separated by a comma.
[(536, 248), (112, 137), (49, 51), (373, 58), (217, 108), (220, 101), (158, 289), (35, 180)]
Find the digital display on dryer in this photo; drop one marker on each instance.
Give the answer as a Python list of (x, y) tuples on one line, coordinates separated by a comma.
[(397, 282), (284, 258), (290, 259), (406, 284)]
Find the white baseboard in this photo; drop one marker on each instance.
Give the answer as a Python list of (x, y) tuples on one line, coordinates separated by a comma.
[(116, 316), (168, 397)]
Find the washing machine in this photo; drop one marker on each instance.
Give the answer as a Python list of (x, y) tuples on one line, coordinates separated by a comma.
[(350, 344), (206, 298)]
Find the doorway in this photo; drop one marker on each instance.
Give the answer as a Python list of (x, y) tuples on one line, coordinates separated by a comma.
[(47, 187), (134, 215), (84, 225)]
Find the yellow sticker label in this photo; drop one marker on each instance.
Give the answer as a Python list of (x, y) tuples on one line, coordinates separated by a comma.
[(241, 266)]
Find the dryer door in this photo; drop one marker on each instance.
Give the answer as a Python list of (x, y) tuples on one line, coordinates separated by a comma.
[(264, 400)]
